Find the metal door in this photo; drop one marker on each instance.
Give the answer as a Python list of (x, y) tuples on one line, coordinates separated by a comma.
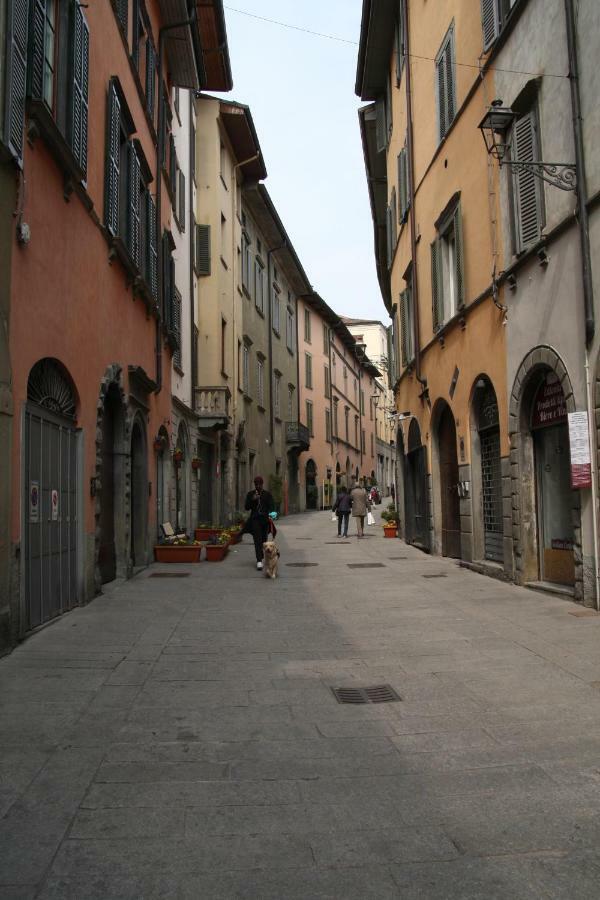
[(449, 486), (50, 519), (491, 481), (415, 498)]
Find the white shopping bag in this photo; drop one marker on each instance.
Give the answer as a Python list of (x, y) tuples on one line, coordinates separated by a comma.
[(333, 517), (370, 518)]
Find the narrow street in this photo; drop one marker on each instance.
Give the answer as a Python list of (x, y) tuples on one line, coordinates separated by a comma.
[(178, 737)]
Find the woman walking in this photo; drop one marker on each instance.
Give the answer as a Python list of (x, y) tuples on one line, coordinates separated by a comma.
[(342, 507), (360, 505)]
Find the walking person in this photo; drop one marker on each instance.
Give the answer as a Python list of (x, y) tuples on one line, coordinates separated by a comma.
[(342, 507), (360, 505), (260, 503)]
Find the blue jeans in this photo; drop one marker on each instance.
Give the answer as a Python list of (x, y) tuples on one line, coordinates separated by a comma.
[(345, 516)]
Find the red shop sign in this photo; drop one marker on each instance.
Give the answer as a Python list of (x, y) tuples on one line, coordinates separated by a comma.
[(549, 407)]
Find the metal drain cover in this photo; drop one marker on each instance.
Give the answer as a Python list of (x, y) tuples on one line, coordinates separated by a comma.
[(379, 693), (341, 543), (170, 575), (301, 565), (365, 565), (397, 557), (436, 575)]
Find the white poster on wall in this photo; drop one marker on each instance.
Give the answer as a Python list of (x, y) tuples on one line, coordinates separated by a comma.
[(579, 440)]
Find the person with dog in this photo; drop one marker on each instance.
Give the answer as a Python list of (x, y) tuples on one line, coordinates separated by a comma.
[(342, 507), (259, 503), (360, 505)]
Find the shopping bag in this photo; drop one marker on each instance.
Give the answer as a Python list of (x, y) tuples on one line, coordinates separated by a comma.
[(333, 517), (370, 518)]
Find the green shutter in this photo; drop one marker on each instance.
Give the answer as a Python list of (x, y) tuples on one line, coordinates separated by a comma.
[(404, 328), (436, 286), (441, 95), (152, 273), (150, 78), (36, 68), (123, 13), (489, 22), (79, 86), (203, 249), (16, 75), (133, 204), (111, 182), (388, 233), (459, 258), (181, 198), (380, 124), (176, 327), (527, 189), (450, 81)]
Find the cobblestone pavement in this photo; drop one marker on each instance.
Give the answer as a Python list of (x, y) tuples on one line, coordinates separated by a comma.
[(178, 738)]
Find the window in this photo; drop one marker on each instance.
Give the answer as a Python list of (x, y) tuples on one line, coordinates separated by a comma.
[(289, 329), (325, 339), (407, 347), (143, 53), (355, 391), (58, 75), (327, 381), (363, 442), (169, 289), (347, 421), (291, 410), (345, 381), (307, 326), (277, 395), (223, 164), (333, 368), (404, 203), (335, 417), (399, 45), (527, 190), (371, 409), (362, 402), (181, 201), (176, 329), (308, 369), (328, 426), (309, 418), (445, 68), (447, 269), (383, 118), (356, 431), (246, 369), (259, 284), (202, 252), (246, 261), (372, 448), (494, 15), (193, 152), (275, 310), (223, 346), (260, 380)]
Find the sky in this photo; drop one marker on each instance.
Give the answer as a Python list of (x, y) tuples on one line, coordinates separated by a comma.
[(300, 89)]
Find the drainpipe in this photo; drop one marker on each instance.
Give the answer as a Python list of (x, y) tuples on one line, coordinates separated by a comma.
[(412, 215), (159, 157), (269, 300), (193, 350)]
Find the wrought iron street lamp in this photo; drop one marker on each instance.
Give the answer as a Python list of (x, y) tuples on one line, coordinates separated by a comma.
[(496, 128)]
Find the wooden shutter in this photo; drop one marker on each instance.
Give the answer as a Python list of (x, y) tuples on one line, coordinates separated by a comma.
[(181, 199), (203, 249), (16, 75), (450, 81), (111, 182), (394, 220), (441, 95), (402, 185), (36, 68), (380, 124), (404, 328), (527, 190), (459, 258), (122, 13), (152, 273), (399, 42), (489, 21), (388, 230), (150, 78), (176, 327), (79, 87), (133, 204), (436, 286), (172, 167)]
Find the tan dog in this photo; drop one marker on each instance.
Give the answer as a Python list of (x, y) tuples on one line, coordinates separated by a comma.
[(271, 558)]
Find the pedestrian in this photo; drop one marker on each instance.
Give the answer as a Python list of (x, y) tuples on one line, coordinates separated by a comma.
[(260, 503), (360, 505), (342, 507), (393, 493)]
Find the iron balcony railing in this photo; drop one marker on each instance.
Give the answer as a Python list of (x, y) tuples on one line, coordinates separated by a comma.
[(297, 434)]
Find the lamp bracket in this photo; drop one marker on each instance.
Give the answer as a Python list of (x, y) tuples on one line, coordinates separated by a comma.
[(560, 175)]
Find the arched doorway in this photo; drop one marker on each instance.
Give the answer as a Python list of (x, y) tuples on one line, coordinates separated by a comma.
[(112, 483), (52, 494), (312, 490), (486, 473), (182, 480), (446, 457), (338, 477), (414, 470), (139, 495)]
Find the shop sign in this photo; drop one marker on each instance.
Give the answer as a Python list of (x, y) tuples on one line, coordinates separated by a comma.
[(579, 440), (54, 501), (549, 407), (34, 501), (560, 544)]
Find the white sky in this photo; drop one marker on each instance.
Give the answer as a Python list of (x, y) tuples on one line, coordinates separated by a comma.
[(300, 89)]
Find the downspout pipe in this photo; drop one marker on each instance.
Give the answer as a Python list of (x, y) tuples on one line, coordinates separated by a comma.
[(193, 349), (582, 197), (412, 214), (160, 152), (281, 246)]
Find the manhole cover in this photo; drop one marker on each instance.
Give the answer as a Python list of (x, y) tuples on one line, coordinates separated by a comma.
[(365, 565), (301, 565), (170, 575), (436, 575), (379, 693)]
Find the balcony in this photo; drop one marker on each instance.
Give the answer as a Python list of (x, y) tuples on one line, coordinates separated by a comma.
[(212, 406), (297, 436)]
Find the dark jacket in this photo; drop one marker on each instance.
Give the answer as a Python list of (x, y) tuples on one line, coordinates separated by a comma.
[(260, 506), (343, 503)]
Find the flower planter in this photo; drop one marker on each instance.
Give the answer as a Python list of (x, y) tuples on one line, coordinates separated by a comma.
[(216, 552), (236, 537), (390, 531), (177, 553), (196, 463), (205, 534)]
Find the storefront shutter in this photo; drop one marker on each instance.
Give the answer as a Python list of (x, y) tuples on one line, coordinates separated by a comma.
[(436, 287), (459, 258), (79, 87), (152, 273), (489, 20), (111, 183), (203, 249), (133, 204), (16, 74), (526, 187), (36, 69)]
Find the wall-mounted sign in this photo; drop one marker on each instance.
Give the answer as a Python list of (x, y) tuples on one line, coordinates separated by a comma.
[(54, 504), (579, 440), (34, 501), (549, 407)]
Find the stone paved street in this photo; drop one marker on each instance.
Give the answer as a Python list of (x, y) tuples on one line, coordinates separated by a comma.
[(177, 738)]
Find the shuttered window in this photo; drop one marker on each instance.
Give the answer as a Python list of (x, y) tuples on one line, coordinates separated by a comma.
[(176, 329), (289, 330), (394, 220), (308, 370), (490, 22), (133, 205), (399, 44), (406, 326), (150, 78), (152, 257), (403, 196), (527, 189), (202, 255), (380, 124), (16, 74), (445, 69), (113, 146), (388, 235), (310, 418), (181, 201), (79, 89), (123, 13), (447, 270), (276, 311), (260, 382)]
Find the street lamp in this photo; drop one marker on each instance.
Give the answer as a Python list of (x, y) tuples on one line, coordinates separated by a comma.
[(496, 129)]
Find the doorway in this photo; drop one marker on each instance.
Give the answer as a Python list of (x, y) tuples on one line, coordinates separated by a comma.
[(448, 475), (110, 472), (139, 496), (312, 491), (414, 470)]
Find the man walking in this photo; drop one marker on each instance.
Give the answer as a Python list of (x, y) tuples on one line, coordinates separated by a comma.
[(260, 503), (360, 505), (342, 506)]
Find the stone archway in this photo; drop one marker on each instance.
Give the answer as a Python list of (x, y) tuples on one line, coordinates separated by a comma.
[(535, 367), (486, 473), (445, 481)]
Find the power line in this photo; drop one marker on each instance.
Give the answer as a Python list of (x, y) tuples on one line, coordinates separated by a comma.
[(331, 37)]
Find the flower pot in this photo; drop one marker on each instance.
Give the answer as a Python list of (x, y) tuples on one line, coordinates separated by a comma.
[(177, 553), (177, 456), (205, 534), (216, 552), (196, 463), (390, 531), (236, 536)]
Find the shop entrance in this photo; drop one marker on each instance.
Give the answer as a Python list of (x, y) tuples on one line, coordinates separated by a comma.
[(448, 472)]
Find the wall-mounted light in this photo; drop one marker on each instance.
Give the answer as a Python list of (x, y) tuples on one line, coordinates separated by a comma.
[(543, 257)]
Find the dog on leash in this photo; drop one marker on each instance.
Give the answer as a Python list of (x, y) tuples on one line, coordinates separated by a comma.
[(271, 559)]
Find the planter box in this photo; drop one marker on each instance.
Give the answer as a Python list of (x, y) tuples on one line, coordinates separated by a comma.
[(216, 552), (390, 531), (236, 537), (205, 534), (181, 553)]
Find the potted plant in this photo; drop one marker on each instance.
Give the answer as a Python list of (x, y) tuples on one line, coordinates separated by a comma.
[(196, 462), (205, 532), (390, 528), (217, 547), (177, 455), (182, 550), (159, 443)]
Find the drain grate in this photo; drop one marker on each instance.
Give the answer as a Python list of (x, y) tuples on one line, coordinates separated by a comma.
[(436, 575), (397, 557), (303, 539), (341, 543), (170, 575), (379, 693), (365, 565), (301, 565)]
